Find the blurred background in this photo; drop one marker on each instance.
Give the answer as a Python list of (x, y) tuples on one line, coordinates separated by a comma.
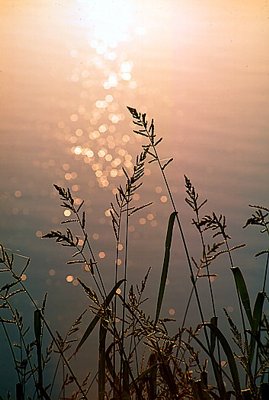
[(68, 70)]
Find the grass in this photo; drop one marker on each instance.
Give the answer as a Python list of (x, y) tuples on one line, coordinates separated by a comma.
[(138, 357)]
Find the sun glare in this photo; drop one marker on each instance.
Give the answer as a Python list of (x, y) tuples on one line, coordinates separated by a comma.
[(110, 20)]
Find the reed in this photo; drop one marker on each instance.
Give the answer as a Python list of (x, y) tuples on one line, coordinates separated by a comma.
[(138, 357)]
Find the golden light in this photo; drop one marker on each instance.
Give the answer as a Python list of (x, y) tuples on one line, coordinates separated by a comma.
[(110, 19), (69, 278), (67, 213)]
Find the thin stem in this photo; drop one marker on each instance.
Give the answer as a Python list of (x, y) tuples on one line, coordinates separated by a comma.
[(265, 273), (115, 282), (125, 276), (11, 349), (92, 255), (146, 132), (9, 266)]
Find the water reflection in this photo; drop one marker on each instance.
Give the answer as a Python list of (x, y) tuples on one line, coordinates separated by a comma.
[(204, 78), (95, 129)]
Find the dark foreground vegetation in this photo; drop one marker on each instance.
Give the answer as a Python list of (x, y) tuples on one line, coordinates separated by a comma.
[(138, 358)]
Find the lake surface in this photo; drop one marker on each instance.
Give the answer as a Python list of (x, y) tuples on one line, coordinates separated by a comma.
[(68, 70)]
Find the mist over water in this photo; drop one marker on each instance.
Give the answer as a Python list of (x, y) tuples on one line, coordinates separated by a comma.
[(68, 70)]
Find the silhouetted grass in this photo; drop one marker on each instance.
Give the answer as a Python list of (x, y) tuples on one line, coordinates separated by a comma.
[(138, 358)]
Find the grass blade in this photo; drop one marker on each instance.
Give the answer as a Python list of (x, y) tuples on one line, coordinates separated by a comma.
[(98, 315), (168, 377), (243, 292), (38, 333), (168, 242), (19, 392), (152, 377), (257, 318), (216, 368), (102, 360), (257, 312), (213, 337), (125, 384), (230, 357)]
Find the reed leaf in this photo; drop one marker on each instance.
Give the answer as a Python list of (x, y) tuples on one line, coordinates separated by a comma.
[(165, 267)]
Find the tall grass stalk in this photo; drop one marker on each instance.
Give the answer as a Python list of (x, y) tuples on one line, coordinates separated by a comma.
[(148, 130), (138, 358), (8, 262)]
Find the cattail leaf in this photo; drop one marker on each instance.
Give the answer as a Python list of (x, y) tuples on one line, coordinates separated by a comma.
[(230, 357), (97, 317), (242, 292), (165, 267)]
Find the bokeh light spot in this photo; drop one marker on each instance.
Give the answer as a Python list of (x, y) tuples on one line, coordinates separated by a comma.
[(69, 278), (163, 199), (18, 194)]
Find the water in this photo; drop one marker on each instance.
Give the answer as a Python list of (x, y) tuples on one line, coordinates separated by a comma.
[(68, 71)]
